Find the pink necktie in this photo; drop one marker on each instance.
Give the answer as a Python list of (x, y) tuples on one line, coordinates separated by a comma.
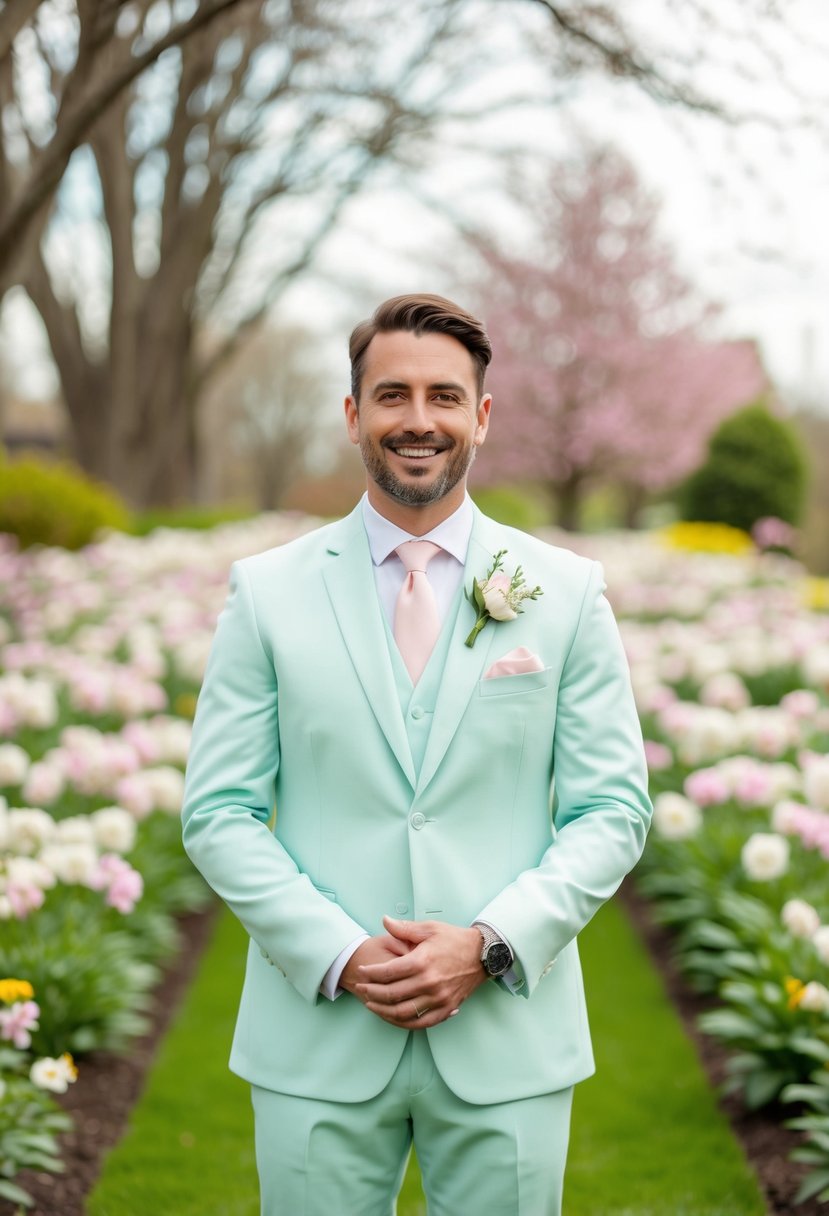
[(416, 619)]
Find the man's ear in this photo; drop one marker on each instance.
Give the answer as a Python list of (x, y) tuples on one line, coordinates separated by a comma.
[(352, 419), (482, 419)]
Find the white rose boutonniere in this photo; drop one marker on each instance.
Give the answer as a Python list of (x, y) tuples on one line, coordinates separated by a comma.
[(498, 597)]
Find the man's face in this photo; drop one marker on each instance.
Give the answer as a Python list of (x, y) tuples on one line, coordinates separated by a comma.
[(419, 419)]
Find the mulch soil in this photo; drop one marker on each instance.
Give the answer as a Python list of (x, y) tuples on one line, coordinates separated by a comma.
[(108, 1085)]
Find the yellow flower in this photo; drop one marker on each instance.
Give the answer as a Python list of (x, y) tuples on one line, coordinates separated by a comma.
[(707, 538), (185, 704), (70, 1065), (814, 593), (795, 989), (15, 990)]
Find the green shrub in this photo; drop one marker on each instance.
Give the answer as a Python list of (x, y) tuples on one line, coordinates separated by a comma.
[(55, 504), (187, 517), (755, 468), (516, 507)]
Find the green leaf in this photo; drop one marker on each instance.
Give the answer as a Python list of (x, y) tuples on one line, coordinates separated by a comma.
[(713, 936), (800, 1093), (727, 1024), (807, 1156), (16, 1194), (811, 1185), (763, 1087), (807, 1045)]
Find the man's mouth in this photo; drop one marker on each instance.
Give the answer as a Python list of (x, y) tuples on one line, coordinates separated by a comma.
[(416, 453)]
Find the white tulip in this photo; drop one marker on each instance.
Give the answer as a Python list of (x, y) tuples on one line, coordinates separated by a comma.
[(28, 828), (765, 856), (676, 817), (114, 829), (800, 918), (14, 764), (816, 782), (815, 998), (820, 938)]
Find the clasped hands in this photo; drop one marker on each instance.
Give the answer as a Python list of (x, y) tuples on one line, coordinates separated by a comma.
[(418, 973)]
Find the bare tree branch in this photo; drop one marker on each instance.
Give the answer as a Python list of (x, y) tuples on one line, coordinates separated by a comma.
[(13, 16), (48, 166)]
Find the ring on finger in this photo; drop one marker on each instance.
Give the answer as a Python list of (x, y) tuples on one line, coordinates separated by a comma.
[(420, 1013)]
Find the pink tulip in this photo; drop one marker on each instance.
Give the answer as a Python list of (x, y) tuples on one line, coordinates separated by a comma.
[(17, 1022), (24, 898)]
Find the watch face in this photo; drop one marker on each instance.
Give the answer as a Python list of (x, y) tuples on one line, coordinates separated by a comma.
[(498, 958)]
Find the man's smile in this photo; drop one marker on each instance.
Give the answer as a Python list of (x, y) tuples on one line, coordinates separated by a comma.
[(416, 453)]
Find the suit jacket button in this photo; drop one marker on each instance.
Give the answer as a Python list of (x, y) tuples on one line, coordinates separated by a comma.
[(417, 821), (417, 712)]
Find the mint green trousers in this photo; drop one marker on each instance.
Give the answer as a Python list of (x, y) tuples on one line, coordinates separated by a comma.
[(348, 1158)]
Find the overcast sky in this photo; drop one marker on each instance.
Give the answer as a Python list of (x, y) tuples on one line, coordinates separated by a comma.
[(745, 208)]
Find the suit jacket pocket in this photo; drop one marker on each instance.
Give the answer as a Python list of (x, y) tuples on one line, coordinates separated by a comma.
[(525, 681), (327, 892)]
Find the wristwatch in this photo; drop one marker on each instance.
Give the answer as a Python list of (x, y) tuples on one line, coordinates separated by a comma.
[(496, 955)]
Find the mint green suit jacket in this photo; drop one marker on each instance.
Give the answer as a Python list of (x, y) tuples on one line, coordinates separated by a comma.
[(530, 806)]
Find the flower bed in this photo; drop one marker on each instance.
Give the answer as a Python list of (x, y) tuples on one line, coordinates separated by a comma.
[(101, 655), (729, 656)]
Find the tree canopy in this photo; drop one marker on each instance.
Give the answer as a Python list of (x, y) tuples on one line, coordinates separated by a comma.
[(602, 371)]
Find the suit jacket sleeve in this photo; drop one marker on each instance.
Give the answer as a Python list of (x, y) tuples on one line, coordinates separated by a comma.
[(601, 808), (228, 802)]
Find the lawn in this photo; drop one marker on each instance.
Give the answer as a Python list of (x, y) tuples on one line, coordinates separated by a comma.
[(647, 1137)]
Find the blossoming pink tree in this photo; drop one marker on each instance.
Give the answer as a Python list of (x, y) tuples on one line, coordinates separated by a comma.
[(602, 369)]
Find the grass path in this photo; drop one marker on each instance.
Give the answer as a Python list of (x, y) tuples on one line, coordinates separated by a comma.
[(647, 1137)]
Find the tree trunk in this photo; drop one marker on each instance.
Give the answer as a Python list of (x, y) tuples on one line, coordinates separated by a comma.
[(567, 495), (132, 414), (153, 461), (633, 500)]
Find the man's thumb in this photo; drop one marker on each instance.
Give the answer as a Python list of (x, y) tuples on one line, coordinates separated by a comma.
[(407, 930)]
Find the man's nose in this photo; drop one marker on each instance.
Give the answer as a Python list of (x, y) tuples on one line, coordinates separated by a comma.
[(419, 415)]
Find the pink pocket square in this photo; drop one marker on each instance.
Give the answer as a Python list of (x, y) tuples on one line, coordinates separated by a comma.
[(515, 663)]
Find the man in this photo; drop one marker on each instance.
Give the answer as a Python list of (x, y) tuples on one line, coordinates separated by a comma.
[(448, 815)]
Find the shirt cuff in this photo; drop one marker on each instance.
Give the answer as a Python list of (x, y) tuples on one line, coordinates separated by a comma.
[(330, 985)]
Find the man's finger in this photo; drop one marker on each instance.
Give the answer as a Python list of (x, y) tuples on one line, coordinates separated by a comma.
[(391, 994), (408, 930), (401, 968), (405, 1019)]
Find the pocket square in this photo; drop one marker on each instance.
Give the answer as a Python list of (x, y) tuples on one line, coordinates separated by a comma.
[(515, 663)]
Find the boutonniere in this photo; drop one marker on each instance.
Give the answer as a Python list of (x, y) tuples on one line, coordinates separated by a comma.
[(498, 597)]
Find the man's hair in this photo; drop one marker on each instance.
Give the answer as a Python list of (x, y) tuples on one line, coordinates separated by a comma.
[(420, 314)]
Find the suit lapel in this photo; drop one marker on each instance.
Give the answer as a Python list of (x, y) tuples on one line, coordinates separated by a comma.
[(465, 665), (349, 578)]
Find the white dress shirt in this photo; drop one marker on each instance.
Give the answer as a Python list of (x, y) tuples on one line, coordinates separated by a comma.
[(445, 573)]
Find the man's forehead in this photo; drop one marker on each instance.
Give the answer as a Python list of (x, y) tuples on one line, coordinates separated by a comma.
[(401, 354)]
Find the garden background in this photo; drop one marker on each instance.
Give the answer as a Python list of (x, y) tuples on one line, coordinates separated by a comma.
[(198, 200)]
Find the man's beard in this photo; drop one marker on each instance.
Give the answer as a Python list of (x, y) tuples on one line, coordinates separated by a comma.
[(413, 494)]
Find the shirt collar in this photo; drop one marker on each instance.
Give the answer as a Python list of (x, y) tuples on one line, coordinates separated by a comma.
[(452, 534)]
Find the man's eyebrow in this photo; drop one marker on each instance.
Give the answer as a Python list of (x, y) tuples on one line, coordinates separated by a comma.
[(441, 386), (382, 385), (448, 386)]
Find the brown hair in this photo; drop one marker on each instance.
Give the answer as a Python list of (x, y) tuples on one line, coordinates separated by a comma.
[(420, 314)]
